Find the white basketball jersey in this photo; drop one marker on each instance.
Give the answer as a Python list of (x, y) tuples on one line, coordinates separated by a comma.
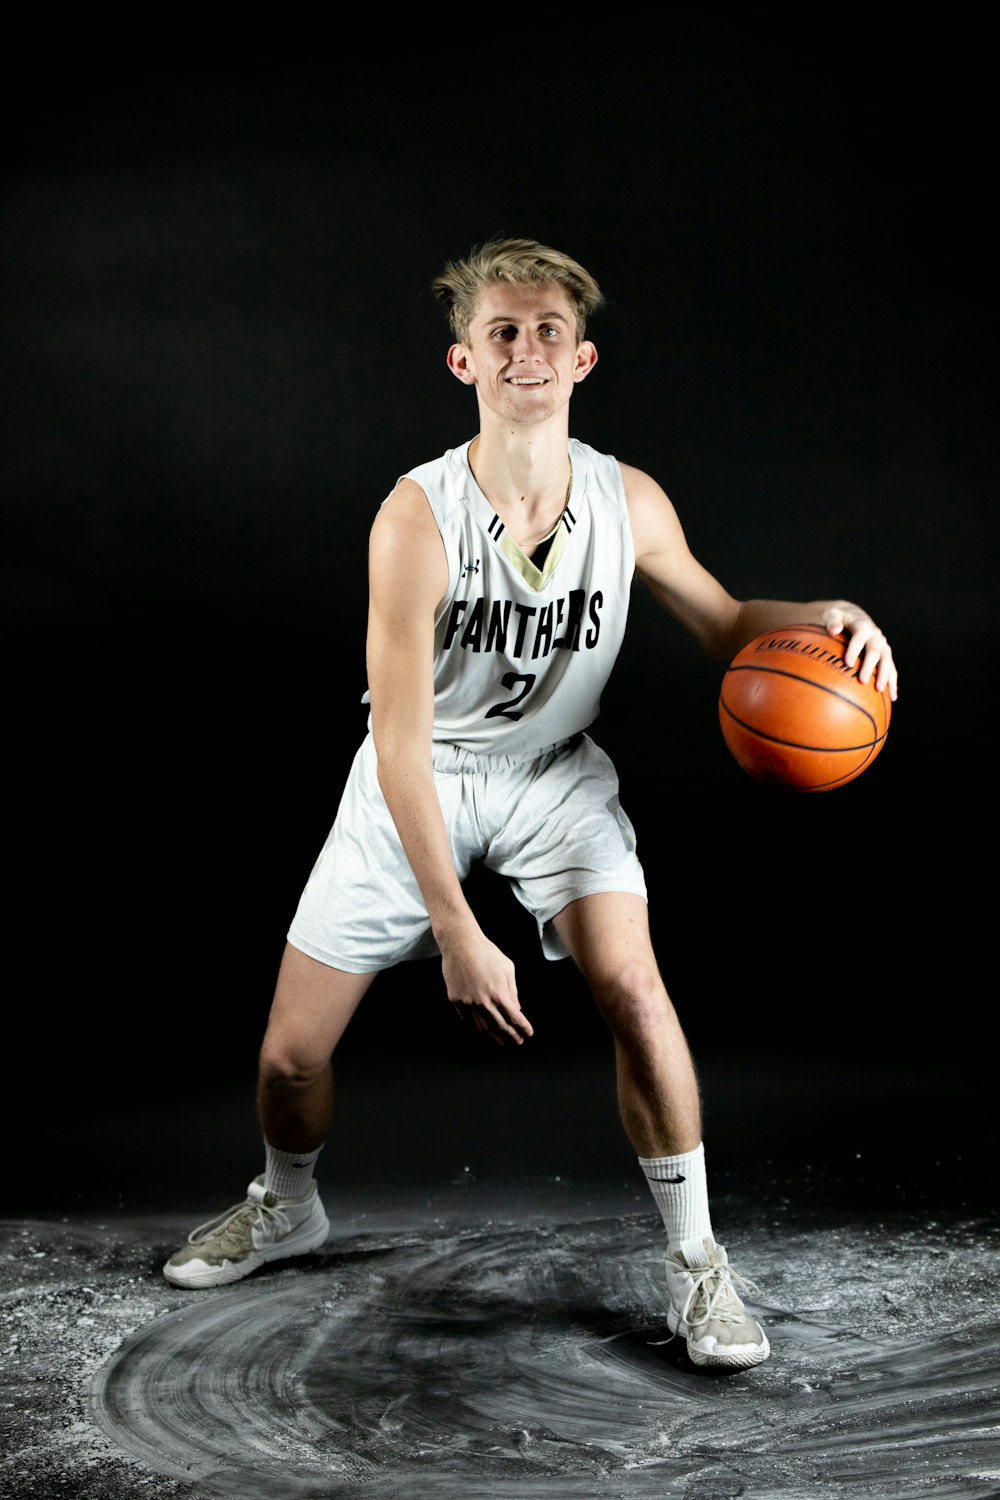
[(522, 654)]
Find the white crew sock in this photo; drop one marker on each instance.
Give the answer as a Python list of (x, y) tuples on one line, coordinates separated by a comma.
[(289, 1174), (680, 1189)]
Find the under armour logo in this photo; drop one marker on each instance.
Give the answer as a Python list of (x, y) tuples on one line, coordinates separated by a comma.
[(471, 567)]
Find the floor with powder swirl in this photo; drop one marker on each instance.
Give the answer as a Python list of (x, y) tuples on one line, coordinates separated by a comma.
[(500, 1334)]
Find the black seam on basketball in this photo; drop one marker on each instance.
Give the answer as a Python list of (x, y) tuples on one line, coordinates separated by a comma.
[(809, 682), (772, 739)]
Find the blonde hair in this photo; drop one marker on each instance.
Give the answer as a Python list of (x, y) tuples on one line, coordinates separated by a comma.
[(522, 263)]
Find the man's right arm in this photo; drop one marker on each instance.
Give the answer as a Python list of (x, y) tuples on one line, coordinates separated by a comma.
[(408, 576)]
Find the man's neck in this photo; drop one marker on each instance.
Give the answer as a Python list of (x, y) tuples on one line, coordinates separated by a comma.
[(527, 483), (522, 473)]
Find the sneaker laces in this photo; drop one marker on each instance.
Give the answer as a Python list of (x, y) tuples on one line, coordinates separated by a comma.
[(230, 1227), (713, 1296)]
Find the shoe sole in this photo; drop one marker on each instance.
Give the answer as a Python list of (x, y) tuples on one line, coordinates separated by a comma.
[(740, 1357), (229, 1272)]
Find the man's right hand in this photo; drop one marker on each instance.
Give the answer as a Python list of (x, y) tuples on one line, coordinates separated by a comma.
[(481, 986)]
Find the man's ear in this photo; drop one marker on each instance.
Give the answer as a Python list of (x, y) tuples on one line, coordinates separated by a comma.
[(460, 364), (586, 359)]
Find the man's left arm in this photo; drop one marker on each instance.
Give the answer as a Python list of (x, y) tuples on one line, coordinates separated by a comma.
[(720, 623)]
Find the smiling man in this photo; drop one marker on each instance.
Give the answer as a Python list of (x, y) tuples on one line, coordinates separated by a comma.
[(500, 575)]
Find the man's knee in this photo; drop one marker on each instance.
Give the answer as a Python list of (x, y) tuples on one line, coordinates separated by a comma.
[(289, 1062), (632, 998)]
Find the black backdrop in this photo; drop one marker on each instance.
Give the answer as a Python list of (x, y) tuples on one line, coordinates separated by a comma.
[(220, 351)]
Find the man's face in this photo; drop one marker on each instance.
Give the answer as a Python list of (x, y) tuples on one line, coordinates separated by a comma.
[(522, 353)]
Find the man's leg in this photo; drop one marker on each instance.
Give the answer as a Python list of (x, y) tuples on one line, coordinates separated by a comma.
[(282, 1214), (310, 1012), (659, 1100), (608, 937)]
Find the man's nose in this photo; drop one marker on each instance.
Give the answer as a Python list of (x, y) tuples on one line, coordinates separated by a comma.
[(527, 345)]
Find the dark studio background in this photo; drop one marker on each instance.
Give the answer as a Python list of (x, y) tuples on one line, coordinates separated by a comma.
[(221, 350)]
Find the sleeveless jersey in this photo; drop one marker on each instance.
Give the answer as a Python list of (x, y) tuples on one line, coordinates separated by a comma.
[(522, 654)]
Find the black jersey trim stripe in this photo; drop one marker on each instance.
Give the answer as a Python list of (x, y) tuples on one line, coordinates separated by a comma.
[(496, 527)]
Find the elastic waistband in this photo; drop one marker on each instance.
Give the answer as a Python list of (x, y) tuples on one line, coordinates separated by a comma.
[(448, 757)]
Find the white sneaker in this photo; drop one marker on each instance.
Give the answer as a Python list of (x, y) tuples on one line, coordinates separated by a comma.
[(705, 1309), (246, 1236)]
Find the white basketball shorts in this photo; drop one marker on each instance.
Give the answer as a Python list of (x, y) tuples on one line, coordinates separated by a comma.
[(550, 823)]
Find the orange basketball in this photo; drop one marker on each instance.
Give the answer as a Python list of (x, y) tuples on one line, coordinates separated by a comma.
[(793, 714)]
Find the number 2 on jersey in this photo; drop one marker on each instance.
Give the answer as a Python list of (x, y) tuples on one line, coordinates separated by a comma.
[(510, 681)]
